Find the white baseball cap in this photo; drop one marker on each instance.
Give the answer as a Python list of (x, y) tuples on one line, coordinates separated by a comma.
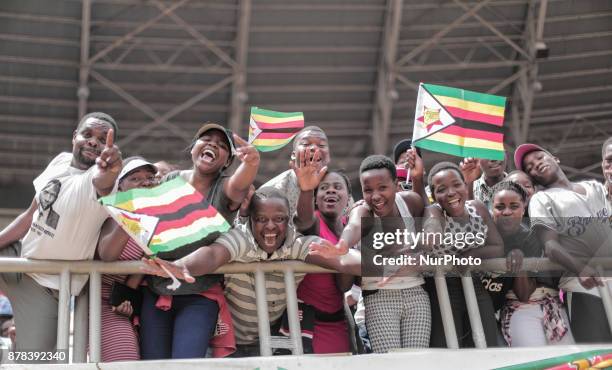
[(134, 164)]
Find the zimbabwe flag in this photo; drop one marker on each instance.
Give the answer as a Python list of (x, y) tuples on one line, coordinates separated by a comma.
[(459, 122), (169, 216), (270, 130)]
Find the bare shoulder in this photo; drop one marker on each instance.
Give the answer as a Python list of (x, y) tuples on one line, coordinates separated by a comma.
[(413, 201), (361, 210), (433, 210)]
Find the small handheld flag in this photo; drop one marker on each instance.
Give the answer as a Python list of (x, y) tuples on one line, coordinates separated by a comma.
[(140, 227), (270, 130), (459, 122), (166, 217)]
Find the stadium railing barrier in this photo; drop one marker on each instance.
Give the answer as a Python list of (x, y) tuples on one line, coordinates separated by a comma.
[(91, 300)]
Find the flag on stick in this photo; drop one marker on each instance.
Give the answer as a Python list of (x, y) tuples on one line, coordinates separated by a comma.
[(459, 122), (270, 130)]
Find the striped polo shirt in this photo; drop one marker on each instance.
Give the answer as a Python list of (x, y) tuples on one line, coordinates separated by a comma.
[(240, 288)]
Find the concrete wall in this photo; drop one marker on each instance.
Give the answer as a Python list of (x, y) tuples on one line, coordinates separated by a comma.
[(439, 359)]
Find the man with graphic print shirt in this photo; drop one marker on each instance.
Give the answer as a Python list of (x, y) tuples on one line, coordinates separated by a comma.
[(62, 223)]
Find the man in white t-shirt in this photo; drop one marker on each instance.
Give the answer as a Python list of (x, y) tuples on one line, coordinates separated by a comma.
[(62, 223), (306, 144), (572, 221)]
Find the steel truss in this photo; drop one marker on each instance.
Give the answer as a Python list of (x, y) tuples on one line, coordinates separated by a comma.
[(200, 63)]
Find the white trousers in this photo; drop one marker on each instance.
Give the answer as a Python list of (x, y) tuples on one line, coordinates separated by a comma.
[(527, 329)]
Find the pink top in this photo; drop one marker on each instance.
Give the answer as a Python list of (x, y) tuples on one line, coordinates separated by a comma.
[(320, 290)]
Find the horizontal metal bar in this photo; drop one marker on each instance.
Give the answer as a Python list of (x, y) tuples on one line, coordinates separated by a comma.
[(133, 267), (458, 66)]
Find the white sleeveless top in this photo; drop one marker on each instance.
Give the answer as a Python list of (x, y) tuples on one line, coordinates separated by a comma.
[(399, 282)]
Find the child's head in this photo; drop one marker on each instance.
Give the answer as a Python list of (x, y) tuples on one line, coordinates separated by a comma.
[(493, 168), (448, 187), (509, 200), (538, 163), (332, 194), (379, 184), (523, 180), (164, 168), (311, 138), (269, 213)]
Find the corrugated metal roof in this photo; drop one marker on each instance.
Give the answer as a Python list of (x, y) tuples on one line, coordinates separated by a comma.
[(321, 57)]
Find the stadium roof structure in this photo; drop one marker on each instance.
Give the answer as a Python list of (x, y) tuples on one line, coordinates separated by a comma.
[(162, 68)]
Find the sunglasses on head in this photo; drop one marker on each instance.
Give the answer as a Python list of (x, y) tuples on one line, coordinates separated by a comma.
[(405, 185)]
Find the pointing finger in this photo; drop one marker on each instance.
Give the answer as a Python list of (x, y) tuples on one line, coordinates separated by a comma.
[(110, 138), (239, 141)]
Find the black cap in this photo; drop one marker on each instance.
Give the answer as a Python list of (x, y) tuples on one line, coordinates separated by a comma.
[(401, 147)]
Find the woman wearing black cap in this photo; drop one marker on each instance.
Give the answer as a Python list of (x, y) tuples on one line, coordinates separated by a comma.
[(185, 329)]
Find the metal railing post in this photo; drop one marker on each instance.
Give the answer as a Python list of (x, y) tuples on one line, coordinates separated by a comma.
[(606, 299), (63, 312), (81, 329), (95, 326), (292, 313), (473, 312), (265, 345), (446, 311)]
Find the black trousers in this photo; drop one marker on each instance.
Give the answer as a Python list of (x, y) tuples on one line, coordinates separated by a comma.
[(588, 319), (460, 313)]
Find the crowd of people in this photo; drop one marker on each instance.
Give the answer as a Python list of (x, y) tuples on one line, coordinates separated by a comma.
[(309, 213)]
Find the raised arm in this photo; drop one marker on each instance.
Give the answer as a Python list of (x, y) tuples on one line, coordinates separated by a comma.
[(17, 229), (417, 170), (237, 187), (470, 168), (308, 176), (109, 164)]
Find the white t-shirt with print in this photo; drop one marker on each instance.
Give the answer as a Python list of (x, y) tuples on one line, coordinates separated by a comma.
[(581, 222), (67, 223)]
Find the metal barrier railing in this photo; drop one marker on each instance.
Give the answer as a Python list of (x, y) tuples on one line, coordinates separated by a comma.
[(93, 303)]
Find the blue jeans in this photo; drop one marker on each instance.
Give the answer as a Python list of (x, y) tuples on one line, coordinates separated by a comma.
[(184, 331)]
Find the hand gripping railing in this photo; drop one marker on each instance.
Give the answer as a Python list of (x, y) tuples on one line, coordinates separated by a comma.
[(95, 268)]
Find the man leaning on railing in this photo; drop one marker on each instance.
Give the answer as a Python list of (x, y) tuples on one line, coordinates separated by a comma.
[(62, 223), (267, 236)]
